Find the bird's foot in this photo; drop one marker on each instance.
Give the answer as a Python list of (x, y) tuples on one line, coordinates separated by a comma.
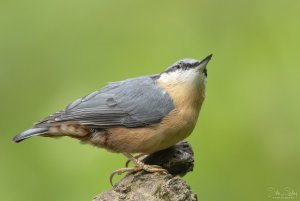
[(154, 168), (139, 167), (136, 157)]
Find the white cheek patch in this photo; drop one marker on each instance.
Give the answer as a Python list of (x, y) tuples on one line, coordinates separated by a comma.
[(180, 76)]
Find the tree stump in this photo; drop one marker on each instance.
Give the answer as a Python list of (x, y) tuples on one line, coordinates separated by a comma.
[(144, 186)]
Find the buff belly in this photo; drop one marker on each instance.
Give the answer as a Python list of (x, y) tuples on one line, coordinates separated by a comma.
[(174, 128)]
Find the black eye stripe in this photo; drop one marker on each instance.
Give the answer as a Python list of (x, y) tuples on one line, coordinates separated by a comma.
[(189, 65), (183, 66)]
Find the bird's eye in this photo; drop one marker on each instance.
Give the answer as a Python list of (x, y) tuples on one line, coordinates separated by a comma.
[(177, 67)]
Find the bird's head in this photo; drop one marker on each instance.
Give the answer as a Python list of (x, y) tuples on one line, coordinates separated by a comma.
[(187, 72)]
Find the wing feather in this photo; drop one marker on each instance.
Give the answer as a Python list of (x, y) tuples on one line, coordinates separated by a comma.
[(134, 102)]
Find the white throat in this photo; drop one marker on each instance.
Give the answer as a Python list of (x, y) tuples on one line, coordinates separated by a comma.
[(191, 76), (184, 81)]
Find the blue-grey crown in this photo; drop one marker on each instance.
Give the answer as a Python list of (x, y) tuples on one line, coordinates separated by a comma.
[(183, 64)]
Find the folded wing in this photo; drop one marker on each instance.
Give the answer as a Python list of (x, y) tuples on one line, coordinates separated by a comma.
[(131, 103)]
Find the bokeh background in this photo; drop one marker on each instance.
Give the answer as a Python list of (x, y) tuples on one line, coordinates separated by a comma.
[(247, 138)]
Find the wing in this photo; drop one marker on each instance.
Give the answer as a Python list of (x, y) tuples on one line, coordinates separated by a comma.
[(134, 102)]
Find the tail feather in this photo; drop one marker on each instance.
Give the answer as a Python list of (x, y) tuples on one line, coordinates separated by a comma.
[(29, 133)]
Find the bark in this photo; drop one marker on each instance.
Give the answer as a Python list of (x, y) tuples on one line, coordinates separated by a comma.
[(143, 186)]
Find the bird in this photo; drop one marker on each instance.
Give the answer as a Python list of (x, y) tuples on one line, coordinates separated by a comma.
[(140, 115)]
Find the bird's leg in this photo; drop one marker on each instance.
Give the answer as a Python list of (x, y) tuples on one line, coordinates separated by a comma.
[(139, 165), (138, 156)]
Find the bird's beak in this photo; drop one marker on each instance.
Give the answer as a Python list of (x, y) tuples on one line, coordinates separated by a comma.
[(203, 63)]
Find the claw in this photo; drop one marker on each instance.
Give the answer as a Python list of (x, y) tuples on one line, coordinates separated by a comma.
[(155, 168), (136, 157), (139, 167), (119, 172)]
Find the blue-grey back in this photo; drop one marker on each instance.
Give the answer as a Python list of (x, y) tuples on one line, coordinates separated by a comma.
[(135, 102)]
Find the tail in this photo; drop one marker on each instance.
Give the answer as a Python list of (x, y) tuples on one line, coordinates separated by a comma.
[(29, 133)]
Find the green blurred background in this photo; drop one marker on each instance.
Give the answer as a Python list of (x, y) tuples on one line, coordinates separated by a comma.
[(247, 138)]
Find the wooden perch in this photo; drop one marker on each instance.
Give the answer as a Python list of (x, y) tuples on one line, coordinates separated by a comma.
[(143, 186)]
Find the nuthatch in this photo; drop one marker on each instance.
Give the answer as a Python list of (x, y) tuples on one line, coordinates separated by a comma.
[(138, 115)]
